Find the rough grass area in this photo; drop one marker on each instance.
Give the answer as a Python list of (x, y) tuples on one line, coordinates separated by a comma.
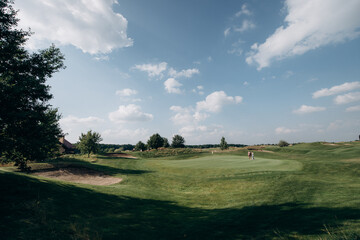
[(305, 191), (169, 153)]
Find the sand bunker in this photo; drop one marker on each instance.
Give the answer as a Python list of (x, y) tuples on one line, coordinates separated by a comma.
[(78, 175)]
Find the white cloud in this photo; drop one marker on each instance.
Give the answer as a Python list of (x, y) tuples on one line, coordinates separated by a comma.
[(126, 92), (101, 58), (74, 126), (72, 120), (187, 116), (129, 113), (187, 73), (310, 24), (244, 11), (198, 90), (308, 109), (201, 132), (227, 32), (353, 109), (348, 86), (153, 70), (172, 86), (284, 130), (246, 25), (91, 26), (347, 98), (216, 100), (125, 135)]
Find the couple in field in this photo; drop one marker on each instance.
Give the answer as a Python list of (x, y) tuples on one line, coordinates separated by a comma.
[(251, 155)]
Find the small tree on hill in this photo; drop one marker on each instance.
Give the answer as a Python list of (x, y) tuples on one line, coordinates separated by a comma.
[(89, 142), (223, 144), (178, 142), (283, 143), (166, 142), (140, 146), (155, 141)]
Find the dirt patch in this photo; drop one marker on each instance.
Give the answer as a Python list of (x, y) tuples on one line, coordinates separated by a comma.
[(267, 151), (122, 155), (78, 175), (330, 144), (354, 160)]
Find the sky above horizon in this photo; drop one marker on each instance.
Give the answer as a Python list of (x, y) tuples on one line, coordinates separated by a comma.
[(253, 71)]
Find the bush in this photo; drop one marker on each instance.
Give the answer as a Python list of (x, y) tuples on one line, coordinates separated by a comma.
[(283, 143)]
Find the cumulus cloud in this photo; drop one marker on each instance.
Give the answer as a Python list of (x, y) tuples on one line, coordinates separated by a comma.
[(353, 109), (309, 24), (126, 92), (216, 100), (347, 98), (348, 86), (172, 86), (308, 109), (153, 70), (91, 26), (187, 73), (284, 130), (129, 113)]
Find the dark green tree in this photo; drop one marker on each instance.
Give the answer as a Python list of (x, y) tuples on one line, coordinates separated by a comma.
[(178, 142), (283, 143), (223, 144), (166, 142), (89, 142), (29, 128), (140, 146), (155, 141)]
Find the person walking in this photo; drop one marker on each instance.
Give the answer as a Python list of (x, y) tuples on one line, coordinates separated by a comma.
[(249, 155), (252, 156)]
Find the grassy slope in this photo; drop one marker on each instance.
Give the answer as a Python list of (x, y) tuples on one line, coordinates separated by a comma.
[(222, 196)]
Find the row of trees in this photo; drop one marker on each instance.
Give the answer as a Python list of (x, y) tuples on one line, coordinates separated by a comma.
[(90, 143), (156, 141)]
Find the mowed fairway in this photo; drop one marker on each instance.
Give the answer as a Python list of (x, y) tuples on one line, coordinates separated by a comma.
[(306, 191)]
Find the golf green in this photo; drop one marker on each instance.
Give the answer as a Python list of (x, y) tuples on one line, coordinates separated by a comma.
[(241, 163)]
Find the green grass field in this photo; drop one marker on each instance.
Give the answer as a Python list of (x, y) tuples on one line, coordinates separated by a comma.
[(305, 191)]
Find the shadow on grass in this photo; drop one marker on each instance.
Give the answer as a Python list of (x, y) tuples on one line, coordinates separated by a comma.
[(73, 162), (31, 209)]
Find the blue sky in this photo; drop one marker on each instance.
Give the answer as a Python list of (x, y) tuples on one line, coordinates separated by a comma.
[(251, 71)]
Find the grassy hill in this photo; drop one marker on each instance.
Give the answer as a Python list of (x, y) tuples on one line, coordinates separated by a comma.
[(305, 191)]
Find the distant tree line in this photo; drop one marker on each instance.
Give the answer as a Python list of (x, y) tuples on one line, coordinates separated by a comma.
[(214, 145)]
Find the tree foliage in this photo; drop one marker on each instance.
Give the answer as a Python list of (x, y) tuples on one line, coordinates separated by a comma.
[(140, 146), (178, 142), (29, 128), (89, 142), (155, 141), (283, 143), (166, 142), (223, 144)]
